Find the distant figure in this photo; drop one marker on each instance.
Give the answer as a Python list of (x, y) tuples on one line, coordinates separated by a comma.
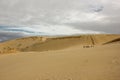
[(88, 46)]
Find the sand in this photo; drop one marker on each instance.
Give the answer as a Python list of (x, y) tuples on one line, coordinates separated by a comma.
[(100, 62)]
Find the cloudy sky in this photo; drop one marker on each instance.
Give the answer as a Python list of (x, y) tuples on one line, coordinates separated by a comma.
[(19, 18)]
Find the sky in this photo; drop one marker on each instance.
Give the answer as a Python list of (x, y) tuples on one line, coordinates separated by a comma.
[(20, 18)]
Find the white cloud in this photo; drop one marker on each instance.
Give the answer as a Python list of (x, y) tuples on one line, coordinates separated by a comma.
[(76, 16), (60, 30)]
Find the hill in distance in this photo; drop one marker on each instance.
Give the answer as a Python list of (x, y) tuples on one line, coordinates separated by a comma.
[(39, 44)]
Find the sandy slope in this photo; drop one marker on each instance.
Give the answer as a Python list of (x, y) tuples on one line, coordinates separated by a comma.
[(62, 58), (74, 63), (54, 43)]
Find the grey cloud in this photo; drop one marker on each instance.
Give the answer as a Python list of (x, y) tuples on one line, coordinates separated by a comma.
[(113, 28), (4, 36), (22, 12), (35, 11), (97, 8)]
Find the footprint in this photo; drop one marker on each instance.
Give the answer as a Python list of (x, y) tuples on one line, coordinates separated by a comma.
[(115, 61), (69, 79)]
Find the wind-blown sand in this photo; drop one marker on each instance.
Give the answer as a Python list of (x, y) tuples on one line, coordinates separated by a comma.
[(62, 58)]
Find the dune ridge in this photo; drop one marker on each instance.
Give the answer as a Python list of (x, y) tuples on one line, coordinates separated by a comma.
[(113, 41), (37, 43)]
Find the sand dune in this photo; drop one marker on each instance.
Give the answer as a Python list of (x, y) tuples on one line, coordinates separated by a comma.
[(53, 43), (61, 58)]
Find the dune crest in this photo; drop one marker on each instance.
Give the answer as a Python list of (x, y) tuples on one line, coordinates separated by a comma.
[(54, 43)]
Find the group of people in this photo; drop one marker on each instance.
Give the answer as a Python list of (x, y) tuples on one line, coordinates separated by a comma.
[(88, 46)]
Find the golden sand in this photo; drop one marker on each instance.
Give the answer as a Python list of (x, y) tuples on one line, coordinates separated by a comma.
[(86, 57)]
